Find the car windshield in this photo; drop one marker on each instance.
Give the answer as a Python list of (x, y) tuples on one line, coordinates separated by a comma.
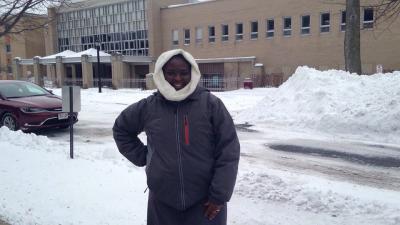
[(21, 89)]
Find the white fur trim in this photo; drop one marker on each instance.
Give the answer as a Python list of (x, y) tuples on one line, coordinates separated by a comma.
[(164, 87)]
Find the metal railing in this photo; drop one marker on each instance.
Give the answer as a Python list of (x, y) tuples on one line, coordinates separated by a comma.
[(212, 84)]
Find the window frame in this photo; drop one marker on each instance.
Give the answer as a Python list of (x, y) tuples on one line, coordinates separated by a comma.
[(175, 39), (269, 33), (211, 38), (306, 29), (186, 40), (324, 28), (368, 24), (238, 36), (253, 34), (343, 24), (224, 37), (286, 32), (199, 39), (8, 48)]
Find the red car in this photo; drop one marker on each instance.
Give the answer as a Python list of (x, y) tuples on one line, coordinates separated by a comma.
[(29, 107)]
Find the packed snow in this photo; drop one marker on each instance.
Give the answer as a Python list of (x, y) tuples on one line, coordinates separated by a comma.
[(334, 102), (40, 184)]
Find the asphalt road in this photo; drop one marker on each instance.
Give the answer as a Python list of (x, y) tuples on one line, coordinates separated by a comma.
[(370, 165)]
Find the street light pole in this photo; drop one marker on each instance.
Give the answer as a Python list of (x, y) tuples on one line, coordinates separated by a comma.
[(98, 65)]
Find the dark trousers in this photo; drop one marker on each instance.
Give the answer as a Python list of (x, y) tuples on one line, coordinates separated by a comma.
[(160, 214)]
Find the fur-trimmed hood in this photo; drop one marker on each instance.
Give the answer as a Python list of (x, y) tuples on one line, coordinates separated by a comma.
[(164, 87)]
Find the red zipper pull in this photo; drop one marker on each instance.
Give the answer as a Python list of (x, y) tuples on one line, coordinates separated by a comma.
[(186, 127)]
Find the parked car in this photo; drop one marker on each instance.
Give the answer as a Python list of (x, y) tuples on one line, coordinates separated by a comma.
[(29, 107)]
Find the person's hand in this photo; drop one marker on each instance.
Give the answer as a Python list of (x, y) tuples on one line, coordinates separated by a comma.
[(211, 210)]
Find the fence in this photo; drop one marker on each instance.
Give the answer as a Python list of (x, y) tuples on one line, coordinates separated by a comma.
[(212, 84)]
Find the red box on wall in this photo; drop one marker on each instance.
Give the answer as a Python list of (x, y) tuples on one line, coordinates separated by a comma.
[(248, 83)]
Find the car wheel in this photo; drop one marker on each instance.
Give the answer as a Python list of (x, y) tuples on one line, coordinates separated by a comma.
[(9, 121)]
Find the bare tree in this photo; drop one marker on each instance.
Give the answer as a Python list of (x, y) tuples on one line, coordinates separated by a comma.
[(13, 12), (352, 54), (384, 11)]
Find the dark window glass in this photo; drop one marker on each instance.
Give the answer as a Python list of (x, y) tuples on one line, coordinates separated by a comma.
[(270, 28), (239, 31), (254, 30), (211, 34), (368, 18), (343, 21), (305, 24), (287, 26), (225, 32)]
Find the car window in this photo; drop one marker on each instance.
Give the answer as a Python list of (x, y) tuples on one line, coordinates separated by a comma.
[(36, 90), (17, 90)]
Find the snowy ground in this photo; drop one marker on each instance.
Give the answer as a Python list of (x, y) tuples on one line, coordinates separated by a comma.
[(345, 169)]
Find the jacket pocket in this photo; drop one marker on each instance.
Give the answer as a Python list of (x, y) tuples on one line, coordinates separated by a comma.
[(186, 129)]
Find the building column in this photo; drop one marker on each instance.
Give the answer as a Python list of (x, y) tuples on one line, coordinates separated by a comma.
[(37, 72), (150, 85), (73, 70), (117, 70), (60, 72), (51, 73), (87, 72), (17, 68)]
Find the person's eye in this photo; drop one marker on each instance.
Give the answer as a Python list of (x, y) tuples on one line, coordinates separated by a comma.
[(170, 73), (185, 73)]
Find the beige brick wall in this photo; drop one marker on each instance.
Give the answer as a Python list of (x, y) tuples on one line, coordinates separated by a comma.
[(279, 54)]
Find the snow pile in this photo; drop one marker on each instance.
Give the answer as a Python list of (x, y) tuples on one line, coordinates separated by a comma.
[(267, 187), (18, 139), (334, 102)]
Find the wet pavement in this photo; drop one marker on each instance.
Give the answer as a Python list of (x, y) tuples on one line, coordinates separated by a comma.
[(347, 156)]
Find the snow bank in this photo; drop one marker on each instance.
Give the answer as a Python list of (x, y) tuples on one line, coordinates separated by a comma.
[(268, 187), (334, 102), (28, 141)]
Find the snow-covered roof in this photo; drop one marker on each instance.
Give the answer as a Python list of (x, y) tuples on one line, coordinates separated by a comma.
[(190, 3), (89, 52), (227, 59), (62, 54)]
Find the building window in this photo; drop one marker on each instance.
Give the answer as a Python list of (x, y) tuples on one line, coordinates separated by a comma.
[(287, 26), (254, 30), (199, 34), (175, 37), (305, 24), (368, 21), (211, 34), (8, 48), (270, 28), (186, 36), (239, 31), (343, 21), (325, 22), (225, 32), (121, 23)]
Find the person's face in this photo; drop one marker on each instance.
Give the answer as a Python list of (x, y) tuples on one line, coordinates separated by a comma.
[(177, 72)]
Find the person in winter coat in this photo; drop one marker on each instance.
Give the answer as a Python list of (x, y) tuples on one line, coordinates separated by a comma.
[(192, 151)]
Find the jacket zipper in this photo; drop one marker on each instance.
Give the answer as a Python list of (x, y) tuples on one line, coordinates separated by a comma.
[(186, 127), (179, 157)]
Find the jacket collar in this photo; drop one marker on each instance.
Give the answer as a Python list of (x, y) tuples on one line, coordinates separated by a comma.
[(194, 96)]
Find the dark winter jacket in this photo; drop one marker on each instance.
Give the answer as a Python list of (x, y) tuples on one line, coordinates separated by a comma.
[(192, 150)]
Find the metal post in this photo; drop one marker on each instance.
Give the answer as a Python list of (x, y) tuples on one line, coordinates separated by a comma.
[(98, 66), (71, 124)]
